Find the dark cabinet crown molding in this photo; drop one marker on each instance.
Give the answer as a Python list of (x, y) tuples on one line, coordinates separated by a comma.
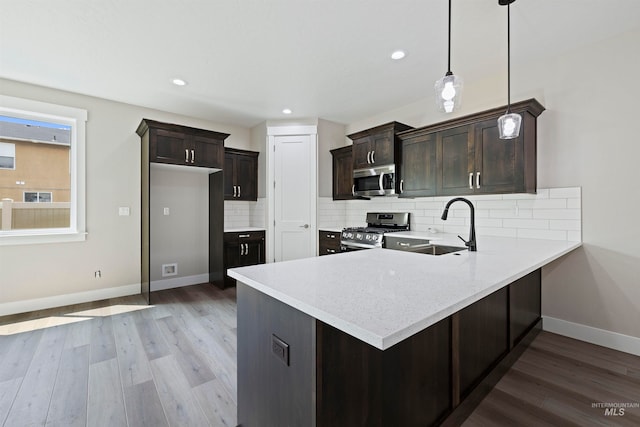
[(394, 126), (145, 124), (531, 106)]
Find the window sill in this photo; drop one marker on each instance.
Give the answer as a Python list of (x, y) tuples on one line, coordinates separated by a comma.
[(41, 237)]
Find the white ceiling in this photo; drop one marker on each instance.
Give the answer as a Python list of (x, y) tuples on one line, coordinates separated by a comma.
[(246, 60)]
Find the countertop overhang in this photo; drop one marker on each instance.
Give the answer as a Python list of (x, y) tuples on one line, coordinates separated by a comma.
[(383, 296)]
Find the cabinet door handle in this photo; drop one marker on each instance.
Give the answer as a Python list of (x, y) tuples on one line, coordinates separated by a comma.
[(243, 236), (401, 186), (471, 180), (241, 249), (373, 159), (331, 251), (234, 191), (186, 155), (331, 236), (246, 248), (239, 190), (368, 160), (478, 180), (193, 155), (353, 190)]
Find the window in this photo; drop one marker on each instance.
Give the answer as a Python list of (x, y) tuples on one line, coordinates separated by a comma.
[(37, 197), (42, 189), (7, 156)]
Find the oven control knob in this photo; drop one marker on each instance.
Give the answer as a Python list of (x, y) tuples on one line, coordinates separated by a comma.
[(359, 236)]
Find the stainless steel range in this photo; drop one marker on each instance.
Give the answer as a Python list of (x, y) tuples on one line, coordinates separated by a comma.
[(372, 236)]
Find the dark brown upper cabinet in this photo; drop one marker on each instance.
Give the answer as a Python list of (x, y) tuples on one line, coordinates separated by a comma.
[(417, 173), (376, 146), (240, 174), (183, 145), (342, 159), (470, 158)]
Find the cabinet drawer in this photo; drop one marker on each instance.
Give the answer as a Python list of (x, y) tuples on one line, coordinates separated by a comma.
[(329, 242), (244, 236)]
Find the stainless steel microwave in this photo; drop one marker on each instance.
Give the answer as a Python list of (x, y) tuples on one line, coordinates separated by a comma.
[(375, 181)]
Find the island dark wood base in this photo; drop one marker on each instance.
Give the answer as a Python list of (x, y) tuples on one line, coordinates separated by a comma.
[(433, 377)]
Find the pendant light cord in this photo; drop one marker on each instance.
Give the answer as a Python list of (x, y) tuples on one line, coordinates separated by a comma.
[(449, 47), (508, 58)]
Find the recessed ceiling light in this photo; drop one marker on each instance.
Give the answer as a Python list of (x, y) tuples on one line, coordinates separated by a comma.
[(398, 54), (179, 82), (287, 111)]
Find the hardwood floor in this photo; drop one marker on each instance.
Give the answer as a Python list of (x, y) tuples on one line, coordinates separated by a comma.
[(122, 363)]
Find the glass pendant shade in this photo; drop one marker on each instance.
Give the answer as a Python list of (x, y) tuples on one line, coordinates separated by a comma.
[(448, 92), (509, 125)]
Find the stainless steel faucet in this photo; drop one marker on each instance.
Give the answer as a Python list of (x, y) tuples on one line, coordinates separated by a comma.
[(471, 243)]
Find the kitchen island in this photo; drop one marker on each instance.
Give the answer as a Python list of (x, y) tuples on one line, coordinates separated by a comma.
[(382, 337)]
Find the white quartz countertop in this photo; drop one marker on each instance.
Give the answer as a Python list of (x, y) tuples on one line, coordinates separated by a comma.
[(383, 296), (332, 229), (241, 229)]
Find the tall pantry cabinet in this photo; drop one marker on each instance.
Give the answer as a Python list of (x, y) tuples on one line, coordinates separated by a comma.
[(176, 146)]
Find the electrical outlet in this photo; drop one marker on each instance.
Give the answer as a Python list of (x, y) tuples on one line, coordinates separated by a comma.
[(280, 349), (169, 269), (98, 274), (165, 211), (123, 211)]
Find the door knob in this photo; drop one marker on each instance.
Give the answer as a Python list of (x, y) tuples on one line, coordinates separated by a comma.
[(304, 226)]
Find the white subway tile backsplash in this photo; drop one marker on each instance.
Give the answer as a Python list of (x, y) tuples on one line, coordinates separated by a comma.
[(574, 236), (565, 193), (545, 215), (543, 204), (542, 234), (496, 231), (488, 222), (496, 204), (574, 203), (542, 224), (565, 224), (557, 213), (511, 213)]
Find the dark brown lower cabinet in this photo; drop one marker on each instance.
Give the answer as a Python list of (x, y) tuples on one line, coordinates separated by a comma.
[(430, 378), (328, 242), (242, 249)]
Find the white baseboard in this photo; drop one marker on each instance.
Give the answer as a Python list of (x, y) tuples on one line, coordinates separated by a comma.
[(67, 299), (609, 339), (178, 282)]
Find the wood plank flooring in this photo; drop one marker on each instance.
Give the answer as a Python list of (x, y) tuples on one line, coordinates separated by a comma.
[(121, 363)]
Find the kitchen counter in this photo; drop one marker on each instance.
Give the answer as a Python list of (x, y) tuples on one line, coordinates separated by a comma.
[(383, 296), (242, 229)]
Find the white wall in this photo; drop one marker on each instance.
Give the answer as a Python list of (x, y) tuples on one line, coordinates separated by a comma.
[(330, 136), (588, 138), (65, 272)]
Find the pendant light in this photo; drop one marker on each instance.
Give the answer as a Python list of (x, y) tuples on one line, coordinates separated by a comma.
[(449, 88), (509, 123)]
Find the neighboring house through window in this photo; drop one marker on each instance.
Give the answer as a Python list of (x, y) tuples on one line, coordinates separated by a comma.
[(42, 189)]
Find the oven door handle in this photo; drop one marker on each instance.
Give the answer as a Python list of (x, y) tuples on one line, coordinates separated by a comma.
[(359, 245), (381, 181)]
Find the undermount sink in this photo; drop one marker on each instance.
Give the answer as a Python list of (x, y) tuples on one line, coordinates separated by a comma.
[(419, 245), (440, 249)]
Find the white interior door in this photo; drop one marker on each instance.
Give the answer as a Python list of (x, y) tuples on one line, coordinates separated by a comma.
[(294, 196)]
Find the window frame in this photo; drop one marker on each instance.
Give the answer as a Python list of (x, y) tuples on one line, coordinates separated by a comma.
[(14, 157), (76, 118), (37, 193)]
